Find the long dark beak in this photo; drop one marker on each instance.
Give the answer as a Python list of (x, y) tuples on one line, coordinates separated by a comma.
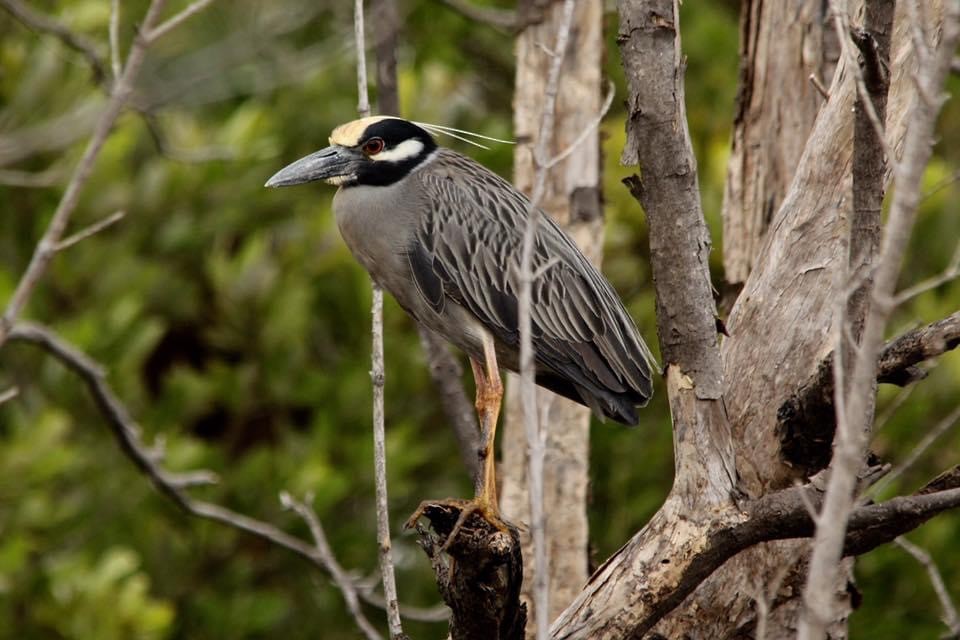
[(332, 162)]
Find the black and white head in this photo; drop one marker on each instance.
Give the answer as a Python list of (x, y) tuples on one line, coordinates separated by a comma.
[(373, 151)]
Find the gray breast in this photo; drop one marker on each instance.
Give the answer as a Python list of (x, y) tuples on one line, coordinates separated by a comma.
[(378, 225)]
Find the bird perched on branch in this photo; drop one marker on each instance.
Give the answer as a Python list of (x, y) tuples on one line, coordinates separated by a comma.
[(443, 235)]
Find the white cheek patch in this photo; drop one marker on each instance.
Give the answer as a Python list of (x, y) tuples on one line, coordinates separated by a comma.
[(403, 151), (339, 180)]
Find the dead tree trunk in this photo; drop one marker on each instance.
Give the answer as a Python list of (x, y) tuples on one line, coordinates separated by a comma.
[(572, 198), (724, 556), (787, 50)]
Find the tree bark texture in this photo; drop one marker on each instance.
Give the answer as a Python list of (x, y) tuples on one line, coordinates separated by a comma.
[(572, 197), (728, 537), (780, 330), (782, 44)]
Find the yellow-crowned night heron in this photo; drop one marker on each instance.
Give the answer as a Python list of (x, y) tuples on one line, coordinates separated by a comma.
[(443, 235)]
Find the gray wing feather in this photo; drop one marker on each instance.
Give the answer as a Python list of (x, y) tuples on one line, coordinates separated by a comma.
[(469, 246)]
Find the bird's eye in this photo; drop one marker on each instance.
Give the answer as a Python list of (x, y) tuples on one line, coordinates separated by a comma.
[(373, 146)]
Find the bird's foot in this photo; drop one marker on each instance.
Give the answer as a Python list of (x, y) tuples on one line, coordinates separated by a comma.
[(452, 517)]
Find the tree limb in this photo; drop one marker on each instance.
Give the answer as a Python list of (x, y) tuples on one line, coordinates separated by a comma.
[(855, 416), (674, 567), (378, 378), (46, 247)]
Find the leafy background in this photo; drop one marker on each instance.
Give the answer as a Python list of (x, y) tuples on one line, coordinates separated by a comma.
[(234, 324)]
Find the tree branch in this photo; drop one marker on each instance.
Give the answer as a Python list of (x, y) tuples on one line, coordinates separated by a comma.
[(154, 34), (340, 578), (674, 566), (378, 378), (642, 582), (855, 417), (47, 246), (950, 617)]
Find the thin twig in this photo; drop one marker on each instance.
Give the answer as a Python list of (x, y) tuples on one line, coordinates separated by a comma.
[(378, 377), (891, 409), (528, 390), (9, 394), (339, 576), (951, 272), (48, 24), (363, 97), (818, 85), (85, 233), (115, 63), (152, 35), (46, 247), (950, 617), (852, 431), (925, 443), (591, 126)]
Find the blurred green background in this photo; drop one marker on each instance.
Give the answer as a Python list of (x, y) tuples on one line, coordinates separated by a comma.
[(235, 325)]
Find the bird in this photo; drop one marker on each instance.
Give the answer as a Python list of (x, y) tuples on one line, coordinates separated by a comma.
[(443, 234)]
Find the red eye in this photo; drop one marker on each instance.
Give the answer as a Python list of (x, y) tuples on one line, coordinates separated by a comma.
[(373, 146)]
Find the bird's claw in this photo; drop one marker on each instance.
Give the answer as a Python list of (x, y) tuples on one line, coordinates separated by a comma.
[(465, 509)]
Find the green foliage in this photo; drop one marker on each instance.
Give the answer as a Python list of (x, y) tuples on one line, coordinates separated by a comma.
[(234, 324)]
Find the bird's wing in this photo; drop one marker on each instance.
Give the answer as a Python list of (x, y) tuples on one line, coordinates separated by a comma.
[(468, 249)]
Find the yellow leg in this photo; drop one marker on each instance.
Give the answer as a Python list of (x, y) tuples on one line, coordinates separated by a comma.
[(489, 399)]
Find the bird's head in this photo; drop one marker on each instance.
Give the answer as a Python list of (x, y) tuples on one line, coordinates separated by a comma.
[(377, 150)]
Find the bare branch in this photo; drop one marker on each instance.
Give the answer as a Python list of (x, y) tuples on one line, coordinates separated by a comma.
[(851, 437), (48, 24), (46, 247), (363, 98), (377, 376), (901, 354), (669, 573), (96, 227), (951, 272), (152, 35), (563, 155), (339, 576), (528, 390), (950, 617), (928, 439), (818, 85)]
